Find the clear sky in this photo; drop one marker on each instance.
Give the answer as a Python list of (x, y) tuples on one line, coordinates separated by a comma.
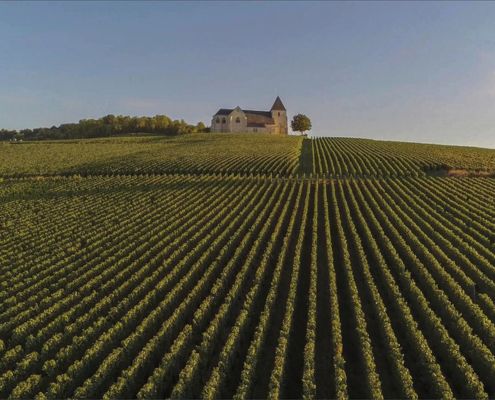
[(417, 71)]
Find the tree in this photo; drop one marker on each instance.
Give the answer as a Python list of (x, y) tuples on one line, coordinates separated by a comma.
[(200, 127), (300, 123), (109, 125)]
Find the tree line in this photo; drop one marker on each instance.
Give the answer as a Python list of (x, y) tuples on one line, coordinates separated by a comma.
[(109, 125)]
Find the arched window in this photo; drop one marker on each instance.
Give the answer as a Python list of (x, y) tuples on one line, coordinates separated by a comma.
[(217, 120), (238, 120), (223, 120), (279, 113)]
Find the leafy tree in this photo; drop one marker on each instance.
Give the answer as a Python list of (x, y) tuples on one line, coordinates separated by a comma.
[(108, 125), (300, 123)]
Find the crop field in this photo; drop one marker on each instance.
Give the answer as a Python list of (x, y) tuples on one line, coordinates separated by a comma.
[(195, 153), (364, 157), (340, 269)]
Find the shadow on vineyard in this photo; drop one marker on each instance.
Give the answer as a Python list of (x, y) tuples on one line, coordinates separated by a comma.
[(443, 171), (295, 352), (323, 351), (45, 188), (355, 369), (306, 156), (390, 387)]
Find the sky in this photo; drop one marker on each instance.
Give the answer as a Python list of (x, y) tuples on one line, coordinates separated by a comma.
[(408, 71)]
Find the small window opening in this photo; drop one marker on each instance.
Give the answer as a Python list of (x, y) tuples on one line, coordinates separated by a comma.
[(238, 120)]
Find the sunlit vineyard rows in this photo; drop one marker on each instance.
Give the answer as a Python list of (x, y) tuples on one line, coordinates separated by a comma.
[(237, 153), (346, 273), (364, 157), (195, 153)]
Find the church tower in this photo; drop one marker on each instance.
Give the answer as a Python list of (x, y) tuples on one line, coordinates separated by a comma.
[(279, 115)]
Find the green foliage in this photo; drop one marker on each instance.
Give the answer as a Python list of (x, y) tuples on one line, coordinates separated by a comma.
[(109, 125), (300, 123)]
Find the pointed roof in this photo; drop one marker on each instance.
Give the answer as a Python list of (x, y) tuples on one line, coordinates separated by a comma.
[(224, 111), (278, 105)]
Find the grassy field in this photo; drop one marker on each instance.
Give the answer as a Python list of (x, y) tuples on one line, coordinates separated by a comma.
[(210, 266)]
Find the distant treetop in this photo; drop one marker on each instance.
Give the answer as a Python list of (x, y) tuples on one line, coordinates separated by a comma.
[(109, 125)]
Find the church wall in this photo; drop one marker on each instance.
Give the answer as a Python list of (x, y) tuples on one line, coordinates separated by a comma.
[(235, 126), (230, 124), (257, 129), (218, 126), (280, 118)]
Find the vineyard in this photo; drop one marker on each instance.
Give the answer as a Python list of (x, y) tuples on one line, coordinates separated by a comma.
[(329, 268), (363, 157), (196, 153)]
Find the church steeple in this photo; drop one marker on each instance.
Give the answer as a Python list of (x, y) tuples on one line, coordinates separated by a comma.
[(279, 116), (278, 105)]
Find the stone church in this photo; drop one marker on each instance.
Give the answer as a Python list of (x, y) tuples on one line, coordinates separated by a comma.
[(239, 120)]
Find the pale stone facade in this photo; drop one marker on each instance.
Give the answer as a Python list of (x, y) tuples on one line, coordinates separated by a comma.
[(238, 120)]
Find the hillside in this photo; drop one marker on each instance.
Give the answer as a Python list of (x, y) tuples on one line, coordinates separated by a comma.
[(238, 153), (246, 266), (195, 153), (364, 157)]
